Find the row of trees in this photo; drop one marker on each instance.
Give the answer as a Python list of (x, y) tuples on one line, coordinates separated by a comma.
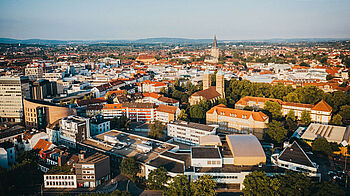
[(180, 185), (291, 183), (236, 89)]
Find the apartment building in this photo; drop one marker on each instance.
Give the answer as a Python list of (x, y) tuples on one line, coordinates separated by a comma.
[(33, 72), (139, 112), (92, 171), (73, 129), (149, 86), (237, 121), (13, 89), (166, 113), (189, 132)]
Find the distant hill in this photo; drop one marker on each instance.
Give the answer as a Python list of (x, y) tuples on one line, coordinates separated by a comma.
[(157, 40)]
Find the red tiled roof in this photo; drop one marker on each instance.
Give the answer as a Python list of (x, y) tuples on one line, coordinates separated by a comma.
[(167, 109), (208, 94), (322, 106), (42, 145), (244, 114)]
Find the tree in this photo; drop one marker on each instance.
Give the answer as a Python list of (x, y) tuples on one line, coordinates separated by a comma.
[(291, 115), (290, 125), (305, 117), (180, 186), (304, 64), (109, 99), (276, 132), (337, 119), (157, 179), (197, 113), (273, 108), (130, 167), (292, 97), (183, 115), (258, 183), (249, 108), (120, 123), (204, 185), (326, 188), (156, 129), (329, 77), (322, 145), (345, 113), (293, 183)]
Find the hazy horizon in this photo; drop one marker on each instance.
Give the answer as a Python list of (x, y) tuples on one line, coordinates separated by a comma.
[(137, 19)]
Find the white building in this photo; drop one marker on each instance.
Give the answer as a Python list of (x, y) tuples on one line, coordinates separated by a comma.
[(189, 132), (294, 158), (34, 72), (60, 181), (206, 157), (73, 129)]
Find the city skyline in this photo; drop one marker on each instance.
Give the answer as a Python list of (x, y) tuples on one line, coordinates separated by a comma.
[(229, 20)]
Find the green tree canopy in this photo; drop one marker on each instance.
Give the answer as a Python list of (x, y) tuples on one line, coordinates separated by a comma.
[(130, 167), (322, 145), (204, 185), (156, 129), (337, 119), (183, 115), (258, 183), (291, 115), (120, 123), (180, 186), (276, 132), (157, 179), (273, 108), (345, 113), (306, 117)]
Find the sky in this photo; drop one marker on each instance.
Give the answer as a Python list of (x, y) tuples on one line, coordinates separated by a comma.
[(136, 19)]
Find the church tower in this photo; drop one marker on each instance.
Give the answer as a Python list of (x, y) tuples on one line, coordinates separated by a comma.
[(215, 53), (220, 83), (206, 80)]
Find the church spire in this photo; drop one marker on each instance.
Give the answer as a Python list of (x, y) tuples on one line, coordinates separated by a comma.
[(214, 42)]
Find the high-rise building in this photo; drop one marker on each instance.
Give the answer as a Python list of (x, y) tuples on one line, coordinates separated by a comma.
[(42, 89), (12, 91)]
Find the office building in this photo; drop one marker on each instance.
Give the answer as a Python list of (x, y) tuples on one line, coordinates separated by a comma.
[(189, 132), (92, 171), (13, 89)]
